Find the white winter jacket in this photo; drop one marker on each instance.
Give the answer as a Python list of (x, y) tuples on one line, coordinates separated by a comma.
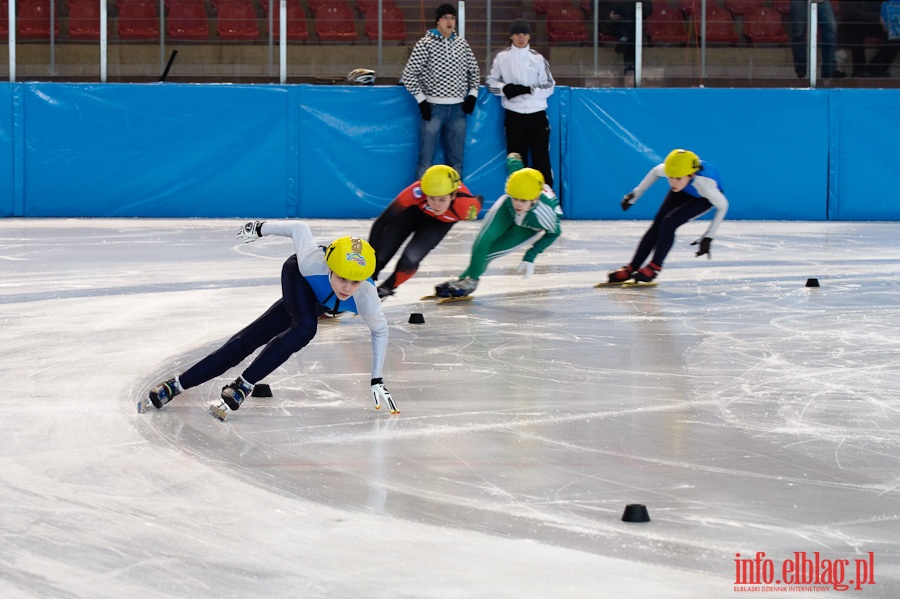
[(523, 66)]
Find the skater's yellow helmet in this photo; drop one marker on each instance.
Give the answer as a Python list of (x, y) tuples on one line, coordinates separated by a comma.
[(351, 258), (525, 184), (680, 163), (440, 180)]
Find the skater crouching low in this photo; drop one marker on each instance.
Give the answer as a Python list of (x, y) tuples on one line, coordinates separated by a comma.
[(313, 282), (528, 211), (424, 212), (695, 189)]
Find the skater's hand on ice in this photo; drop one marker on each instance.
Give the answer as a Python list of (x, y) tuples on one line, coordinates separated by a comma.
[(526, 269), (704, 247), (382, 396), (627, 200), (250, 231)]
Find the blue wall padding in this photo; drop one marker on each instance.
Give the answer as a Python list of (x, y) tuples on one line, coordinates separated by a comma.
[(7, 153), (770, 146), (153, 150), (271, 151), (865, 171), (358, 148)]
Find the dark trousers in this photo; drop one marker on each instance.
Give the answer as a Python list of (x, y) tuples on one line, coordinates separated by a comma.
[(677, 209), (855, 33), (284, 329), (426, 232), (529, 136)]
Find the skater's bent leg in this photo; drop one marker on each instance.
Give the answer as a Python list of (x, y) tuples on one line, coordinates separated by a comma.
[(666, 238), (426, 237), (235, 350), (650, 240), (301, 306)]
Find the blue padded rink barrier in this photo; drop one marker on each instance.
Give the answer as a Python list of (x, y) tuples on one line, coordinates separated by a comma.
[(748, 412)]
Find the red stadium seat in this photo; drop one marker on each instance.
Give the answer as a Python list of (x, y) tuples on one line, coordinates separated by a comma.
[(296, 23), (84, 20), (666, 26), (542, 7), (689, 7), (719, 26), (565, 24), (335, 22), (237, 22), (138, 20), (187, 21), (33, 20), (763, 25), (739, 8), (4, 20), (393, 27)]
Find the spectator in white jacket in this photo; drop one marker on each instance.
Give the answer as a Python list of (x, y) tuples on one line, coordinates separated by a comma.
[(522, 79)]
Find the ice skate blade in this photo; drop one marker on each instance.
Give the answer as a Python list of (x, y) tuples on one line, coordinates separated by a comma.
[(448, 300), (630, 284), (143, 405), (219, 411)]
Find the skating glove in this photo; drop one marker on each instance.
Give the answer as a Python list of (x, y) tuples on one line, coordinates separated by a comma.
[(251, 231), (511, 90), (526, 269), (425, 109), (627, 200), (382, 396), (469, 104), (704, 247)]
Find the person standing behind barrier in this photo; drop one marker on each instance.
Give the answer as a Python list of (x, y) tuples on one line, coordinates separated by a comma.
[(617, 19), (442, 75), (522, 79), (861, 19), (827, 38)]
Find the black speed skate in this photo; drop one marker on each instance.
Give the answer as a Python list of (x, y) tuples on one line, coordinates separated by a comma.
[(647, 273), (620, 275), (234, 394), (164, 393)]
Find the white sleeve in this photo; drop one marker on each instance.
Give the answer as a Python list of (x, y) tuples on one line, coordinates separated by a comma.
[(368, 305), (655, 174), (709, 189), (304, 243)]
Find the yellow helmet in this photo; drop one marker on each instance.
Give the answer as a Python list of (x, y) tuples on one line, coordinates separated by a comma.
[(440, 180), (525, 184), (680, 163), (351, 258)]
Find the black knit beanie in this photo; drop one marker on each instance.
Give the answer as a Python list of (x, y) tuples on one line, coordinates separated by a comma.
[(520, 26), (444, 9)]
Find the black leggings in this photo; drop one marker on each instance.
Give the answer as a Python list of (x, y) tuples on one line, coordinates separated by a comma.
[(426, 232), (285, 328), (529, 136), (678, 208)]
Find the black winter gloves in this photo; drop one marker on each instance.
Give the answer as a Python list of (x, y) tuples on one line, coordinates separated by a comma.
[(425, 109), (469, 104), (511, 90)]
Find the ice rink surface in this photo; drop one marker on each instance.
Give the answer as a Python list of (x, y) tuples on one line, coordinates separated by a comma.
[(748, 412)]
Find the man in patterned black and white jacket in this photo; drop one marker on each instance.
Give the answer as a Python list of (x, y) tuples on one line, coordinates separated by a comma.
[(442, 75)]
